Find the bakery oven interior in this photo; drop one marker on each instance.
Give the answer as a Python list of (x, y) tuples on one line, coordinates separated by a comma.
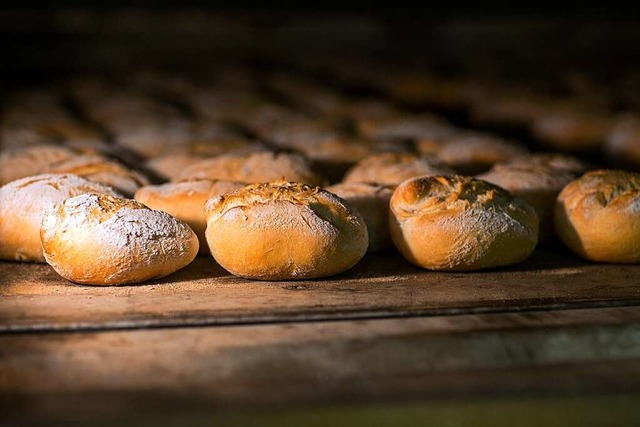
[(152, 84)]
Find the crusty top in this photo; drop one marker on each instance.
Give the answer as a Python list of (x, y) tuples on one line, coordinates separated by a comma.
[(324, 204), (451, 194), (615, 189), (113, 222)]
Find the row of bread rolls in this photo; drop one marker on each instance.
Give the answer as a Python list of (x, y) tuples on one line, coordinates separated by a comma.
[(285, 230)]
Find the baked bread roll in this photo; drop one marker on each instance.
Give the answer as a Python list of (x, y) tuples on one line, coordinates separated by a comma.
[(22, 206), (103, 240), (459, 223), (372, 201), (473, 153), (99, 169), (284, 230), (561, 162), (598, 216), (572, 128), (171, 166), (623, 142), (394, 168), (185, 201), (535, 184), (34, 160), (255, 167)]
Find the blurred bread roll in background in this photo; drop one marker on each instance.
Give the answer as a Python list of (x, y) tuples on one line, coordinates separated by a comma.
[(535, 184), (185, 201), (394, 168), (372, 201), (255, 167)]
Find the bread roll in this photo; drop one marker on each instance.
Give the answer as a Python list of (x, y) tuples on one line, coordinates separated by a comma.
[(103, 240), (171, 166), (34, 160), (459, 223), (22, 206), (284, 230), (99, 169), (561, 162), (185, 201), (252, 168), (572, 129), (623, 142), (393, 168), (598, 216), (372, 201), (535, 184), (473, 153)]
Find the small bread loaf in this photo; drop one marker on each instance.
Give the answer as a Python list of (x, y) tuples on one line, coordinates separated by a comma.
[(22, 206), (623, 142), (558, 161), (572, 128), (252, 168), (473, 153), (34, 160), (535, 184), (459, 223), (598, 216), (372, 201), (104, 240), (284, 230), (99, 169), (185, 200), (393, 168)]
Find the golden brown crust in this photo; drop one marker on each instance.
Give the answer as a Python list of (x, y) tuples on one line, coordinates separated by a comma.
[(372, 201), (103, 240), (185, 201), (598, 216), (284, 230), (393, 168), (255, 167), (459, 223)]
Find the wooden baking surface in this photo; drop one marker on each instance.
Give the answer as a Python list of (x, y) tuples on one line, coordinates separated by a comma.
[(34, 298), (568, 351)]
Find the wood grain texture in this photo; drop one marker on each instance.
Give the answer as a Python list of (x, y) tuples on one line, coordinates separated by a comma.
[(33, 297), (574, 351)]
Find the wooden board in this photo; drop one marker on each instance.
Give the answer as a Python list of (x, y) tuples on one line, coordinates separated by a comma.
[(574, 351), (34, 298)]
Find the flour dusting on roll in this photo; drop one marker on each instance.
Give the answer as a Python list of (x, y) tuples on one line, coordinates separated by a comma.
[(104, 240), (23, 203)]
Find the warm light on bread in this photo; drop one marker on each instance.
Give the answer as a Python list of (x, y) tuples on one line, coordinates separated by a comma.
[(598, 216), (104, 240), (284, 230), (458, 223)]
